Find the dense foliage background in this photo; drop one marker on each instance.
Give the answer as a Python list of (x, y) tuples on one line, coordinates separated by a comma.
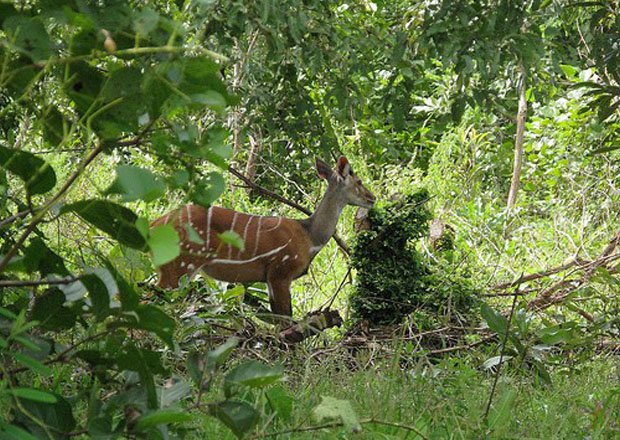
[(497, 120)]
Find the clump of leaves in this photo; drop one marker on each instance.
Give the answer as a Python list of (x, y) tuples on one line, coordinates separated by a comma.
[(394, 279)]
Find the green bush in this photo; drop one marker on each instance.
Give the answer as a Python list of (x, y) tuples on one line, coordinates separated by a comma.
[(394, 279)]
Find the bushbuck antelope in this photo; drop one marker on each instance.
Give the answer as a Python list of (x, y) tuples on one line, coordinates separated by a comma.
[(277, 250)]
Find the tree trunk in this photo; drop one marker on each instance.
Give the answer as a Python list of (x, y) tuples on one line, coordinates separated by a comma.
[(518, 158), (250, 168)]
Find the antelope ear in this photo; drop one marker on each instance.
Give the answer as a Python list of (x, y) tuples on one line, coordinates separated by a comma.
[(344, 169), (323, 170)]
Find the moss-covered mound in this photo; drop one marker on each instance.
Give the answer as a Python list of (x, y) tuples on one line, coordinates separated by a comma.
[(394, 279)]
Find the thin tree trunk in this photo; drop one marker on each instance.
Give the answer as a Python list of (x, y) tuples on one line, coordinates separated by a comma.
[(250, 168), (518, 158)]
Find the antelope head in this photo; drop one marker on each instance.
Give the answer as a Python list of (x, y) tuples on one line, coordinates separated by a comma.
[(345, 184)]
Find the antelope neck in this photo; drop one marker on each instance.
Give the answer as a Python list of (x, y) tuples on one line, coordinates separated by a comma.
[(321, 225)]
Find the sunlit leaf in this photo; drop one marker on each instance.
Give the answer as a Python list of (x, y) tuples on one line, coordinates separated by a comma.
[(331, 408)]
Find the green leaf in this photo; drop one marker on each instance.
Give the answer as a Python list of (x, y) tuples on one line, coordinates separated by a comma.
[(192, 234), (134, 183), (38, 176), (501, 414), (233, 239), (240, 417), (164, 244), (495, 360), (32, 394), (163, 417), (29, 36), (219, 355), (115, 220), (207, 190), (170, 394), (331, 408), (15, 432), (212, 99), (496, 322), (98, 294), (280, 401), (570, 71), (33, 364), (252, 374), (128, 295), (38, 257), (150, 318), (58, 416), (146, 363), (145, 21), (50, 311)]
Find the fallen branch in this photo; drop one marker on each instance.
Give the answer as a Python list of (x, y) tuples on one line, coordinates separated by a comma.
[(560, 290), (311, 326)]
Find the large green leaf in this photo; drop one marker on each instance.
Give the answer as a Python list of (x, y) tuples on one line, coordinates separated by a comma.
[(240, 417), (29, 36), (38, 257), (220, 354), (32, 364), (33, 394), (162, 417), (146, 363), (128, 295), (58, 416), (496, 322), (150, 318), (280, 401), (252, 374), (331, 408), (116, 220), (38, 176), (134, 183), (99, 295), (164, 244), (501, 414), (49, 310)]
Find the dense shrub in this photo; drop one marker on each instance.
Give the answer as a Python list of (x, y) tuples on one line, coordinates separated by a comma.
[(394, 279)]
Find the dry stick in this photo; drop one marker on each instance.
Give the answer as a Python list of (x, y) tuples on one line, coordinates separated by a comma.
[(264, 191), (501, 358)]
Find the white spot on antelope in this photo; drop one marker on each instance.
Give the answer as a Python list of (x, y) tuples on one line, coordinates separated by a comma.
[(182, 263), (191, 266), (286, 257)]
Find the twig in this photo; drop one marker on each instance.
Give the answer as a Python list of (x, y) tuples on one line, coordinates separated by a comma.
[(264, 191), (11, 219), (501, 358), (329, 302), (26, 283)]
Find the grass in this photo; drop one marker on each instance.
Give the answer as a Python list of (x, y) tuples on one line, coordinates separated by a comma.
[(447, 401)]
